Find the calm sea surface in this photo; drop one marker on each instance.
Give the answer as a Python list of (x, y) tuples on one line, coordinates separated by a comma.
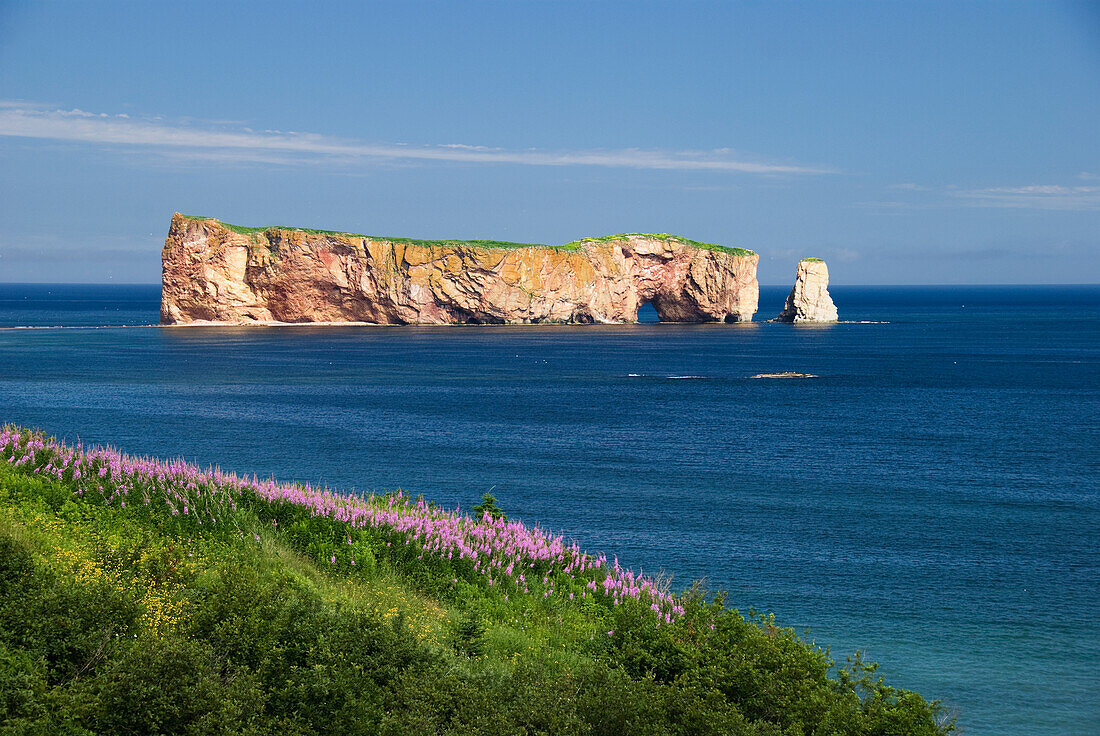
[(932, 498)]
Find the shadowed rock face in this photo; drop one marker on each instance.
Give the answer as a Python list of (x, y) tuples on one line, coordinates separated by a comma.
[(212, 273), (809, 300)]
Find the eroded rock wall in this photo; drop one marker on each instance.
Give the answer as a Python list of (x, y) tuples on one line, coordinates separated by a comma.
[(213, 273)]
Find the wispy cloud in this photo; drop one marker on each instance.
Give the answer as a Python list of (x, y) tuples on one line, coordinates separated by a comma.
[(1061, 197), (236, 143), (1033, 196)]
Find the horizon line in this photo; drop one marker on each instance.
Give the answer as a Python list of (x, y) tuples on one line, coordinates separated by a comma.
[(784, 285)]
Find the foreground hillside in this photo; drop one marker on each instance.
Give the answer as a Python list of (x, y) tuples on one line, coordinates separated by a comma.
[(141, 596)]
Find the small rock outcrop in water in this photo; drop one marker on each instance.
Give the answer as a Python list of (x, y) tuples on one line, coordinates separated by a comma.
[(213, 272), (809, 300)]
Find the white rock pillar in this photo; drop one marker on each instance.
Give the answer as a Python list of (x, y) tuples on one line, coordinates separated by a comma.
[(809, 300)]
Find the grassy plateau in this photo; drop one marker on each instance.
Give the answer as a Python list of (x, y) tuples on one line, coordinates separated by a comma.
[(141, 596), (574, 245)]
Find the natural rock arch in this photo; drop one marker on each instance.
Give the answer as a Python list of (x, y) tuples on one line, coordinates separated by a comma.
[(220, 273)]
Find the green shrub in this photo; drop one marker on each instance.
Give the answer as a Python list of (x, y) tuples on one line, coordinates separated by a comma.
[(72, 626), (468, 637), (172, 686), (22, 690), (489, 506)]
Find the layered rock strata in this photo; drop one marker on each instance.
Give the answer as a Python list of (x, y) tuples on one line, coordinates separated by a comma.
[(809, 300), (213, 272)]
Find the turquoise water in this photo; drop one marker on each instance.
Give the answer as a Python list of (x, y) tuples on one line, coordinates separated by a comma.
[(931, 498)]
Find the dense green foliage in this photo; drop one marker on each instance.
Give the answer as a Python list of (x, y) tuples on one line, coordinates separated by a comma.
[(130, 619), (574, 245), (489, 506)]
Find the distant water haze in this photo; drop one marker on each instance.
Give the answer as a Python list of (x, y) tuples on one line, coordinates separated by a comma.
[(931, 498)]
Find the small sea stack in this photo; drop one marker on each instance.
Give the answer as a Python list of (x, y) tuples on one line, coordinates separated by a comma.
[(809, 300)]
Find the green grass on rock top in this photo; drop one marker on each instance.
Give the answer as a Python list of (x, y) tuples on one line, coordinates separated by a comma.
[(571, 246)]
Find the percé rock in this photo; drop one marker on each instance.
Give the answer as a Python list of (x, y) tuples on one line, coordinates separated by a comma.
[(213, 272), (809, 300)]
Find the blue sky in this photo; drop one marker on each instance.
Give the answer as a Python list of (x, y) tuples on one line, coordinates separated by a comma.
[(905, 143)]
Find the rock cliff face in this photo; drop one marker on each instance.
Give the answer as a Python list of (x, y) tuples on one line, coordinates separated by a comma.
[(809, 300), (213, 272)]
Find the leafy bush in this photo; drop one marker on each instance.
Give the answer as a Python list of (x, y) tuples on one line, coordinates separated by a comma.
[(489, 506), (468, 638), (174, 686)]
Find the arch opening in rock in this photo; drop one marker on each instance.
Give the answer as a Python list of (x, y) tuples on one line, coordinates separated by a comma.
[(647, 314)]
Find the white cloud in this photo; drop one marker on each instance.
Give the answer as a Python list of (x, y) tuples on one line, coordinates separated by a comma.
[(1033, 196), (1028, 196), (28, 120)]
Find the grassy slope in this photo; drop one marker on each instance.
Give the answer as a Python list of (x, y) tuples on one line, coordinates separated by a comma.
[(575, 245), (178, 602)]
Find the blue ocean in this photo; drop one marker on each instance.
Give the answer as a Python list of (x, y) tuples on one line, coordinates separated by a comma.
[(931, 498)]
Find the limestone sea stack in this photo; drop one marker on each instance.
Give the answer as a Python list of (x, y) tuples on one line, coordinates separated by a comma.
[(219, 273), (809, 300)]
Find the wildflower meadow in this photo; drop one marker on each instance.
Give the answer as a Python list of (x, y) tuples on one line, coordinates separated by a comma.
[(147, 595)]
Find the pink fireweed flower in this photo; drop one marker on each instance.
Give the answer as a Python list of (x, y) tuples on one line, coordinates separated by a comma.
[(488, 544)]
